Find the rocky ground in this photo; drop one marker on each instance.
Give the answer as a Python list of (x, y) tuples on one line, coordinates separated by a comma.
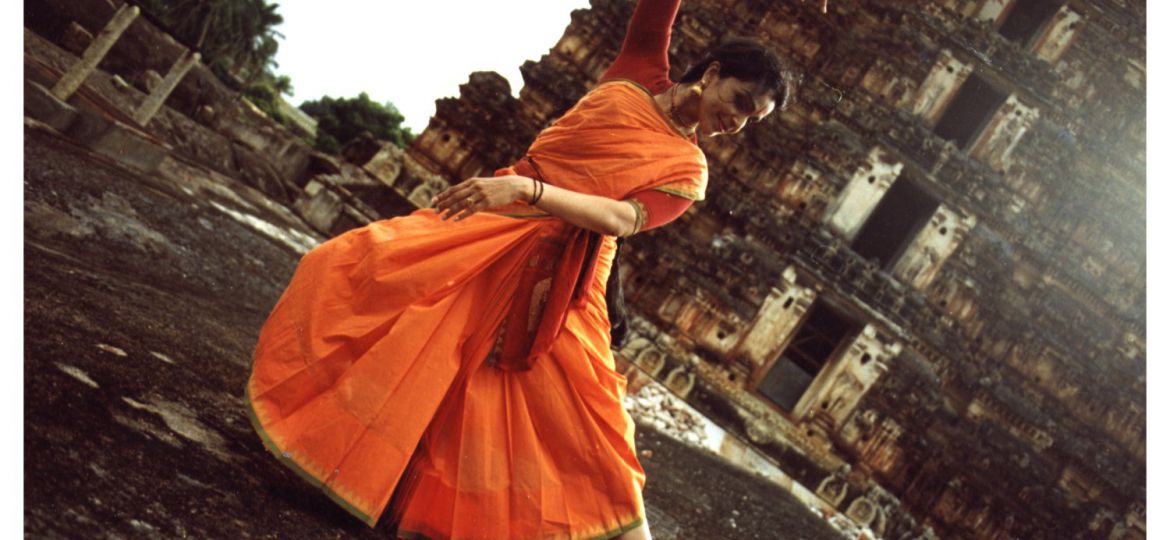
[(143, 297)]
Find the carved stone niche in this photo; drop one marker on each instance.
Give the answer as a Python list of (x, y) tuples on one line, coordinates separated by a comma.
[(775, 322), (885, 81), (681, 381), (572, 46), (940, 86), (651, 360), (835, 487), (386, 164), (882, 453), (863, 511), (839, 387), (956, 296), (925, 256), (806, 189), (861, 195), (1132, 346), (719, 332), (1003, 132), (634, 346), (440, 148)]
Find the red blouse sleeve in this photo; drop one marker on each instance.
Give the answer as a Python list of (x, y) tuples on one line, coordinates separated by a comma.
[(643, 58), (657, 208)]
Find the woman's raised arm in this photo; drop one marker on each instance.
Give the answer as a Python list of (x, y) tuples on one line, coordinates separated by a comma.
[(643, 58)]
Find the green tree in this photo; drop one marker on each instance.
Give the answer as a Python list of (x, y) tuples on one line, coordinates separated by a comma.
[(239, 36), (237, 39), (265, 90), (340, 120)]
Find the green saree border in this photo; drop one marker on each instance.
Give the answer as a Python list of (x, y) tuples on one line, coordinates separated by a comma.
[(415, 535), (288, 462), (622, 529), (272, 447), (684, 194)]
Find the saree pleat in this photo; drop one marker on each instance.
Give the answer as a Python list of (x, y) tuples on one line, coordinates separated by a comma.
[(554, 434), (333, 405)]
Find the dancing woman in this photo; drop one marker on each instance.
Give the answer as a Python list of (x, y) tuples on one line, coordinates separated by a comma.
[(459, 358)]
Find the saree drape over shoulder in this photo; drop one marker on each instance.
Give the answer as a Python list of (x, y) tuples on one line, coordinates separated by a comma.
[(376, 368)]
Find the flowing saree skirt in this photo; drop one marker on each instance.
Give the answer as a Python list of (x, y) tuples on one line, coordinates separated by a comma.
[(370, 372)]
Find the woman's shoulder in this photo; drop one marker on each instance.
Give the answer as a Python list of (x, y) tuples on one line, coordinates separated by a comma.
[(621, 87), (618, 102)]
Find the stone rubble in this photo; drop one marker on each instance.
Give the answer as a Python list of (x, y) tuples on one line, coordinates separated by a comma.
[(653, 404)]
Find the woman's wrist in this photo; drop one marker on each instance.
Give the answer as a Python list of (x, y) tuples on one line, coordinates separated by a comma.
[(524, 188), (528, 189)]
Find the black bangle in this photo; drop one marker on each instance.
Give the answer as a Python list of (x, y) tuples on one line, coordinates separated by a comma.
[(532, 200), (536, 199)]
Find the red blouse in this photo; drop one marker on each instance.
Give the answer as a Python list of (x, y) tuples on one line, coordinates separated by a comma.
[(643, 59)]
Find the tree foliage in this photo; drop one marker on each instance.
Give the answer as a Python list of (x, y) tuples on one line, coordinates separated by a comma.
[(340, 120), (237, 36), (265, 91)]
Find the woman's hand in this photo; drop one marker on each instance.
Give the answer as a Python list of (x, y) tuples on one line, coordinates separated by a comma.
[(475, 194)]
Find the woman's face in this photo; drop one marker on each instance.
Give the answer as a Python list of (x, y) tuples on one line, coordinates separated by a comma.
[(728, 104)]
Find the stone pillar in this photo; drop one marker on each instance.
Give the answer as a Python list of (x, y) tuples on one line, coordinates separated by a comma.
[(1058, 36), (850, 210), (932, 246), (993, 11), (776, 321), (943, 82), (72, 79), (1003, 132), (159, 95)]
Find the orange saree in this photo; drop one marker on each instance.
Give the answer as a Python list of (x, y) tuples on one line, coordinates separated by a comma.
[(372, 370)]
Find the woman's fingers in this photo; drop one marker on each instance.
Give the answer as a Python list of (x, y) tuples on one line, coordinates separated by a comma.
[(466, 198), (466, 208), (455, 201), (448, 193), (451, 199)]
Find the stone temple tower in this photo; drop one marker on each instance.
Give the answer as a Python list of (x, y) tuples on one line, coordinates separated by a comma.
[(928, 272)]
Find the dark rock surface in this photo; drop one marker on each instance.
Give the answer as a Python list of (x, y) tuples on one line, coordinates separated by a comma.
[(143, 298)]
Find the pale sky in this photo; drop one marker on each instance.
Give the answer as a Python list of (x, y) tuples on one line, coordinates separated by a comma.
[(411, 53)]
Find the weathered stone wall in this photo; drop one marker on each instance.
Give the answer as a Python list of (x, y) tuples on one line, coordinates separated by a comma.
[(1009, 400)]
